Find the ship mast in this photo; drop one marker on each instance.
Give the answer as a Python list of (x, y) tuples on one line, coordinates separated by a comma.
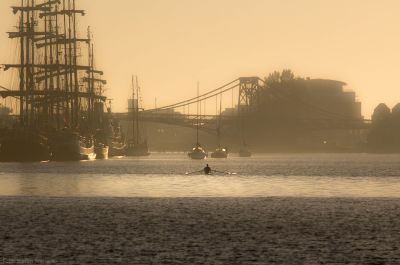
[(133, 109), (22, 69), (49, 86), (90, 84), (219, 122), (137, 111), (28, 66), (75, 63), (46, 72), (198, 118)]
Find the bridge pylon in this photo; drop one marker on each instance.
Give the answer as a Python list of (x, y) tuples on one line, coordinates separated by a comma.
[(248, 89)]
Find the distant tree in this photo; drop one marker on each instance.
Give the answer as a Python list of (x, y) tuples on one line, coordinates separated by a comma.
[(273, 79), (277, 79), (287, 76), (396, 113), (381, 114), (383, 136), (395, 120)]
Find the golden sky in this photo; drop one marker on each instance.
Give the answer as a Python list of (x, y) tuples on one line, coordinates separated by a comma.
[(170, 44)]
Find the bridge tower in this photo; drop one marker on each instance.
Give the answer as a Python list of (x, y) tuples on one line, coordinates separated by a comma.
[(248, 88)]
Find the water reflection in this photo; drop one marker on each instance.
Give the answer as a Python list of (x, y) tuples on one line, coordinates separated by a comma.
[(163, 175)]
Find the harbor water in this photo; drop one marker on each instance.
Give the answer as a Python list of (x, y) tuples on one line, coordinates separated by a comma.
[(275, 209), (166, 175)]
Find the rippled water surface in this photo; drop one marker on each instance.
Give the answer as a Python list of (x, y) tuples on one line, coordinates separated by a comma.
[(164, 175)]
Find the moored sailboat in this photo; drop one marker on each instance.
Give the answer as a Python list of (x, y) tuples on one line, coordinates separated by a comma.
[(220, 152), (113, 135), (136, 146), (137, 149), (244, 152), (197, 151)]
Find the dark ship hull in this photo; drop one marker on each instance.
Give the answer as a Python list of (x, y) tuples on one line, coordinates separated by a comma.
[(23, 146), (69, 146), (68, 152), (137, 150)]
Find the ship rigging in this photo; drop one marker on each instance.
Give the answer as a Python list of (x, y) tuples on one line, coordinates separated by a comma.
[(60, 90)]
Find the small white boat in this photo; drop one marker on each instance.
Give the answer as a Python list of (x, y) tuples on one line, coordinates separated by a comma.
[(220, 153), (197, 153)]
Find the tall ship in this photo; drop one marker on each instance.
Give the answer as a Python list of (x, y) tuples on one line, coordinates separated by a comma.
[(136, 146), (58, 96)]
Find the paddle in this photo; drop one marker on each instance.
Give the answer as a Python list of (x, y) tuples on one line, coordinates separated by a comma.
[(224, 172), (213, 170), (198, 171)]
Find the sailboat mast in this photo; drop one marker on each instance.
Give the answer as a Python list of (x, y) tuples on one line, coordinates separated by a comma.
[(219, 121), (137, 110), (133, 109), (241, 120), (197, 123)]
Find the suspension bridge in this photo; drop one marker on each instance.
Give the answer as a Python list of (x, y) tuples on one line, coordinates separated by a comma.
[(245, 98)]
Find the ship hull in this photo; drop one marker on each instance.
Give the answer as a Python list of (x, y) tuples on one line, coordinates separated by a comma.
[(219, 154), (197, 154), (134, 152), (20, 146), (244, 153), (101, 152), (67, 146), (137, 150), (70, 153), (116, 151)]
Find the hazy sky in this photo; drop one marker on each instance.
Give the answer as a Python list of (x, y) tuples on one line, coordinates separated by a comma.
[(170, 44)]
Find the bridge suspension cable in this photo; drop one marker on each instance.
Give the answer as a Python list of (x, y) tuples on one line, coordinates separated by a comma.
[(199, 98), (280, 94)]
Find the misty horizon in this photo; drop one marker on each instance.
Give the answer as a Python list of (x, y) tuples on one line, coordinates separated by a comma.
[(172, 45)]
